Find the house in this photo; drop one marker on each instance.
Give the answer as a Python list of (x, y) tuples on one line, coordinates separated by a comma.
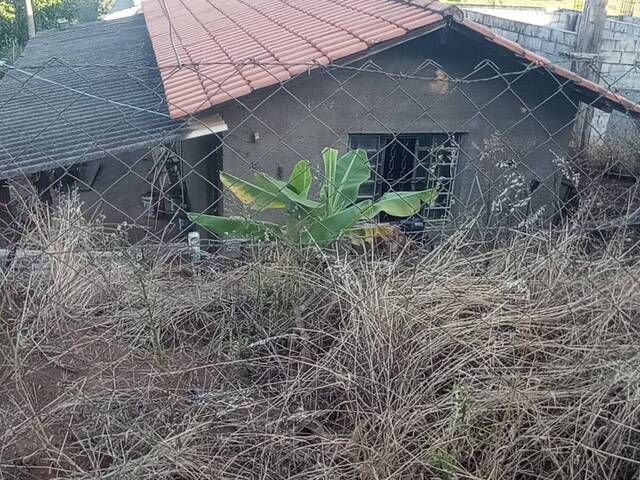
[(195, 87), (86, 106)]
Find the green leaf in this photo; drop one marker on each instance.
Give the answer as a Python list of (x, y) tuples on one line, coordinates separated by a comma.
[(300, 178), (343, 178), (310, 221), (402, 204), (330, 159), (7, 12), (257, 197), (283, 193), (327, 229), (236, 227), (352, 170)]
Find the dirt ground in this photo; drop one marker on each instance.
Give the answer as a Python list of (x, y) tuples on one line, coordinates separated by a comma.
[(80, 365)]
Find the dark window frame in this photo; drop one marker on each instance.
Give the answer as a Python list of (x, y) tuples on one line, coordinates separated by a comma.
[(435, 160)]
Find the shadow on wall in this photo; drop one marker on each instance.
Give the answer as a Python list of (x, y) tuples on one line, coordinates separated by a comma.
[(145, 192)]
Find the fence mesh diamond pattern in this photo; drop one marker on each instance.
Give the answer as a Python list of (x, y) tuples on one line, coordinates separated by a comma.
[(491, 332)]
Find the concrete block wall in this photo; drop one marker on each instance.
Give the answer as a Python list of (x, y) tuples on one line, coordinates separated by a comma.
[(620, 49), (553, 43), (615, 28)]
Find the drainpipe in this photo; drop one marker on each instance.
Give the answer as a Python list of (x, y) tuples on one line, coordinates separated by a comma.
[(31, 25)]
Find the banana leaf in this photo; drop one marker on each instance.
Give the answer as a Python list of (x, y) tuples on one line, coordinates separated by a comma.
[(300, 178), (284, 193), (257, 197), (402, 204), (236, 227), (327, 229), (343, 177)]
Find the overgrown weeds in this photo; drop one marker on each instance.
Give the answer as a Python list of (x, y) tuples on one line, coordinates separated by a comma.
[(516, 361), (616, 156)]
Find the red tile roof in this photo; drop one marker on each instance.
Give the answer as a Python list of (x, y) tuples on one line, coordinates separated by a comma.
[(286, 37), (213, 51)]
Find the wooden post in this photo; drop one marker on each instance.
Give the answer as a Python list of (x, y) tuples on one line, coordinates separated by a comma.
[(587, 63), (31, 24)]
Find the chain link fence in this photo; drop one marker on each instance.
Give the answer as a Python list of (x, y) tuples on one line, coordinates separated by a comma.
[(497, 146), (491, 332)]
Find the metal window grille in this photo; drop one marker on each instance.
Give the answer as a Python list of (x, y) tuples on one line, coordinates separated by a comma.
[(411, 163)]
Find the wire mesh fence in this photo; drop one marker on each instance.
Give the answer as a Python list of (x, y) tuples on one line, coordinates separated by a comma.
[(497, 145), (502, 337)]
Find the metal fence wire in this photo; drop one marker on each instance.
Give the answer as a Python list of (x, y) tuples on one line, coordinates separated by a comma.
[(498, 146), (90, 148)]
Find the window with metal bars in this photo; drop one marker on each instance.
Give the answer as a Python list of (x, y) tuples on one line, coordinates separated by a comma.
[(411, 163)]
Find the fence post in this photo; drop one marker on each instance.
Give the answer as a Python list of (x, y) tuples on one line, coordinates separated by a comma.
[(587, 63), (31, 24)]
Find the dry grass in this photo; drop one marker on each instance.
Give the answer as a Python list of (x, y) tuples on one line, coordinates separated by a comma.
[(614, 156), (519, 361)]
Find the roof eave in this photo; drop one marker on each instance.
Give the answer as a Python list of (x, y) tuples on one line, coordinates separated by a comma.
[(599, 97)]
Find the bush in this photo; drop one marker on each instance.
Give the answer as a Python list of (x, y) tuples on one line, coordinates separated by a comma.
[(13, 23)]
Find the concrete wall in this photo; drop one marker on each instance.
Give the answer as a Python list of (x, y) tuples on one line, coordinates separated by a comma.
[(553, 35), (123, 179), (116, 195), (322, 109), (525, 27), (117, 188)]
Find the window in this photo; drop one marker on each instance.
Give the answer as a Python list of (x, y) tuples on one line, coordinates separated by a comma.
[(411, 162)]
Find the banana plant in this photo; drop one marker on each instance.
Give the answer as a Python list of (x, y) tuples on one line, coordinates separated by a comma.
[(336, 213)]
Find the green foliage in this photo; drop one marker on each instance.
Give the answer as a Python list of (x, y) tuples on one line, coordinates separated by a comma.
[(337, 213), (7, 11), (46, 13), (13, 24)]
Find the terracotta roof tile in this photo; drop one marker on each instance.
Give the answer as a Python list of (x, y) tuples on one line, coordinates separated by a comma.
[(481, 29), (511, 45), (208, 50), (294, 35), (535, 58), (418, 22)]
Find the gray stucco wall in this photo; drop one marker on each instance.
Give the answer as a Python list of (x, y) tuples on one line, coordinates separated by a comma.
[(118, 187), (116, 195), (620, 50), (123, 179), (323, 109)]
